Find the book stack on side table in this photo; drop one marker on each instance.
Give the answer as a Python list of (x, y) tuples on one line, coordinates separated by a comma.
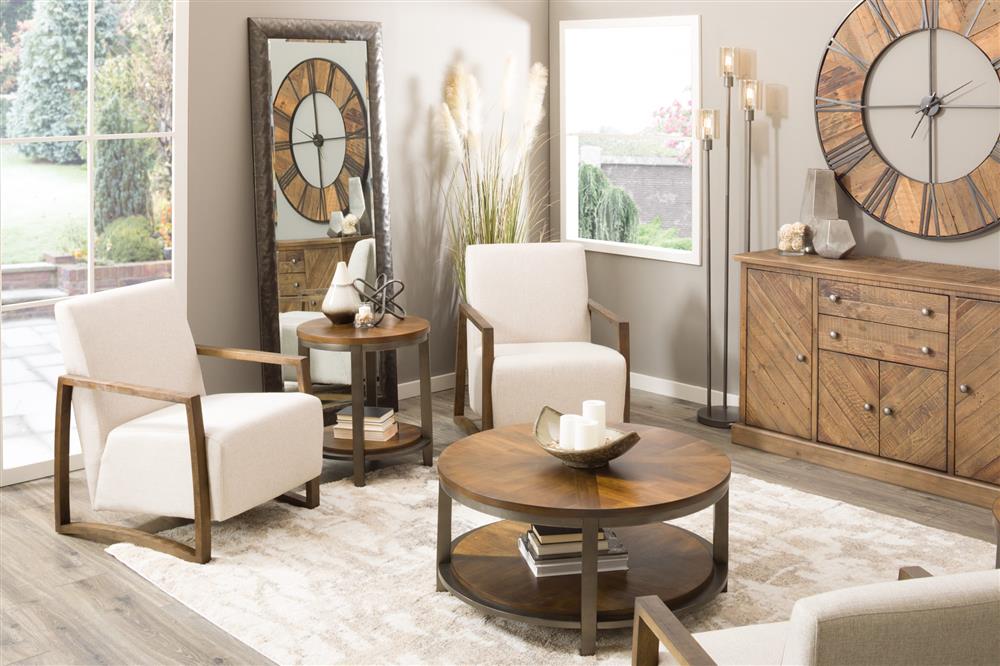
[(558, 551), (380, 424)]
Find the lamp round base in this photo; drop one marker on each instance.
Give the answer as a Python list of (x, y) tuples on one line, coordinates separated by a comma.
[(718, 416)]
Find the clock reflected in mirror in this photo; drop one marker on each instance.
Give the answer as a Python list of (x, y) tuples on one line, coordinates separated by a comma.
[(908, 113)]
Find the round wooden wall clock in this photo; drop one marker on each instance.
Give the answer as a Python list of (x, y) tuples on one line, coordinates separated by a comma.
[(320, 137), (908, 113)]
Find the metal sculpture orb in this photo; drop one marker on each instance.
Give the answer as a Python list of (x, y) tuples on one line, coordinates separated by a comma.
[(382, 295)]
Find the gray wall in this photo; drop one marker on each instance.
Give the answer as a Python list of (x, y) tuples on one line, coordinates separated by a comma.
[(421, 39), (665, 302)]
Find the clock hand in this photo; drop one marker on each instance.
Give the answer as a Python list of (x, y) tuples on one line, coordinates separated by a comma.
[(942, 97), (914, 132), (325, 139)]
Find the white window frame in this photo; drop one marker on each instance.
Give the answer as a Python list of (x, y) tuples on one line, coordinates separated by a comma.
[(179, 199), (568, 162)]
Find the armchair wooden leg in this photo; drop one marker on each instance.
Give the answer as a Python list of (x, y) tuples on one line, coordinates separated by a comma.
[(308, 501)]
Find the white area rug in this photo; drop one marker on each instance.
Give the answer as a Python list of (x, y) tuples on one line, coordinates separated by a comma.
[(353, 581)]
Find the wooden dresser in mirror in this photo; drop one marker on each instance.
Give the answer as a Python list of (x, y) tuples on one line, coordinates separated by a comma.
[(305, 269)]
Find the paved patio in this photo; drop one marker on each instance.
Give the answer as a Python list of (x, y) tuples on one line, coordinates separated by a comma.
[(32, 363)]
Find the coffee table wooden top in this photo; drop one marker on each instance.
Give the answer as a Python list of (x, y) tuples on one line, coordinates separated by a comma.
[(321, 332), (505, 468)]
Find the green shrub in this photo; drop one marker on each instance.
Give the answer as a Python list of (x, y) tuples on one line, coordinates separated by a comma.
[(606, 212), (121, 175), (128, 240), (653, 234)]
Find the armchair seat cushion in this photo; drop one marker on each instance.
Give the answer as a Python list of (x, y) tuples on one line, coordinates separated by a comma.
[(530, 375), (259, 445), (752, 645)]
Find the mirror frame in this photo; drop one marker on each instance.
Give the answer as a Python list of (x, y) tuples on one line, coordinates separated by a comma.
[(259, 31)]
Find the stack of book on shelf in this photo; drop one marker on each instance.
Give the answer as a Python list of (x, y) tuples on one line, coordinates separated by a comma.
[(380, 424), (558, 551)]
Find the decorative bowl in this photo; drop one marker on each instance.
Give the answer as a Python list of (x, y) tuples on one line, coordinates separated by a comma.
[(616, 443)]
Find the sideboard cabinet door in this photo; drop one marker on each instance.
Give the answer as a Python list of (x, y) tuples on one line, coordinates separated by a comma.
[(848, 401), (977, 390), (778, 352), (914, 416)]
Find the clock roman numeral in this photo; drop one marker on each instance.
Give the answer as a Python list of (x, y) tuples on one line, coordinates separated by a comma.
[(829, 104), (347, 101), (986, 213), (881, 193), (328, 86), (311, 72), (282, 145), (847, 155), (286, 178), (974, 18), (281, 114), (928, 14), (881, 13), (342, 197), (844, 51), (929, 211), (995, 153)]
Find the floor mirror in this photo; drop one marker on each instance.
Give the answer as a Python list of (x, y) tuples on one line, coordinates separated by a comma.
[(320, 183)]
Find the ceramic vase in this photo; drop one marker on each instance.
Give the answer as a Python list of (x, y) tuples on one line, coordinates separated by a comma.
[(833, 239), (819, 199), (342, 299)]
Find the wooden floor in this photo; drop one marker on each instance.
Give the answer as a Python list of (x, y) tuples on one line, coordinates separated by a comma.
[(65, 601)]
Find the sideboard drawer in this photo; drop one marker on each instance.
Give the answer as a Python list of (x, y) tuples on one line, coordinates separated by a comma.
[(884, 305), (289, 304), (899, 344), (291, 284), (291, 261), (312, 301)]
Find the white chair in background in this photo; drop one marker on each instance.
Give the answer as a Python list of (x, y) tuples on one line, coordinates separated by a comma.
[(128, 352), (524, 335), (332, 368)]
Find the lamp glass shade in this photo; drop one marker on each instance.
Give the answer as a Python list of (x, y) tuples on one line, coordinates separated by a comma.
[(707, 124), (751, 92), (728, 56)]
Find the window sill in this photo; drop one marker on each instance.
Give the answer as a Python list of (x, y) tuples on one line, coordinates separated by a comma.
[(690, 257)]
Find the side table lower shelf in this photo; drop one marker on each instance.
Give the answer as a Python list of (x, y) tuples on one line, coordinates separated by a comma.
[(487, 572), (408, 439)]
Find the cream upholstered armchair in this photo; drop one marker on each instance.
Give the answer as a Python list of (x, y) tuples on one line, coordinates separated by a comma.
[(208, 457), (524, 336), (917, 620)]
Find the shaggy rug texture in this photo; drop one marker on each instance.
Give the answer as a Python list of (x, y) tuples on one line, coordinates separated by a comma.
[(353, 581)]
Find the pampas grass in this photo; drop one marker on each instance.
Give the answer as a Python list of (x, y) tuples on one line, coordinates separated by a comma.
[(487, 198)]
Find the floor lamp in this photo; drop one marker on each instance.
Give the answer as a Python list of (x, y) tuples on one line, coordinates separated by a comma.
[(750, 94), (723, 416), (707, 130)]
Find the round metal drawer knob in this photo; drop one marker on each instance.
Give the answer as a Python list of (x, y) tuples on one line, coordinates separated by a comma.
[(294, 260), (295, 284), (925, 350), (963, 388), (801, 358), (834, 335), (834, 298), (868, 407), (887, 411), (926, 312)]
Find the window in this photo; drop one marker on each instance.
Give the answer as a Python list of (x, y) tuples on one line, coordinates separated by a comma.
[(630, 171), (91, 184)]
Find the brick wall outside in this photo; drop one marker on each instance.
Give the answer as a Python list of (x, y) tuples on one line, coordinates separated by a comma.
[(71, 278), (659, 187)]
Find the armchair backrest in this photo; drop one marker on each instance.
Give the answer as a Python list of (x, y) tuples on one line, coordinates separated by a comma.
[(362, 261), (137, 334), (530, 292), (951, 619)]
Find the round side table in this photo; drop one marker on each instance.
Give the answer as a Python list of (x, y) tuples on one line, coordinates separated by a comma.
[(363, 345), (504, 473)]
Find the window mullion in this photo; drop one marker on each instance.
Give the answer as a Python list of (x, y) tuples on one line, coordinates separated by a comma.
[(91, 144)]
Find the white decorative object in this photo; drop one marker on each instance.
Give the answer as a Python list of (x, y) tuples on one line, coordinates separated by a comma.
[(365, 317), (833, 239), (355, 197), (567, 430), (587, 434), (350, 224), (819, 198), (336, 224), (596, 410), (342, 299), (792, 238)]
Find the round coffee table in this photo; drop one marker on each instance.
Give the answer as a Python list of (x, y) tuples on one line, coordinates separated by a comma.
[(363, 345), (504, 473)]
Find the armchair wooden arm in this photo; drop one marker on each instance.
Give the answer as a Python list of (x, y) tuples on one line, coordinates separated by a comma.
[(654, 624), (623, 347), (202, 551), (300, 363), (467, 313), (908, 573)]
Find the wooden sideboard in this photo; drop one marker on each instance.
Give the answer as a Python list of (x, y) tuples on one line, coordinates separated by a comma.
[(882, 367), (306, 267)]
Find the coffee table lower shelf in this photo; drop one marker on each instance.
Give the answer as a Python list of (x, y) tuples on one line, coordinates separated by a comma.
[(487, 572), (409, 438)]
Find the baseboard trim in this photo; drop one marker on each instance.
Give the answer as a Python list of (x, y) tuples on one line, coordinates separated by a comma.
[(438, 383), (675, 389)]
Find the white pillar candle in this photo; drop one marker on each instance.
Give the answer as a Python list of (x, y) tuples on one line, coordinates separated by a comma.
[(567, 431), (586, 434), (596, 410)]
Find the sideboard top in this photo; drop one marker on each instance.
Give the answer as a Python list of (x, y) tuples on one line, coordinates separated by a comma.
[(945, 277)]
